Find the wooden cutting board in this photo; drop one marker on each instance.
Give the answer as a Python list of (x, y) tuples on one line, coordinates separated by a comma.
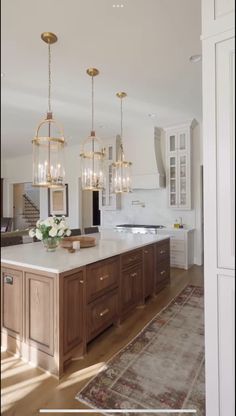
[(85, 242)]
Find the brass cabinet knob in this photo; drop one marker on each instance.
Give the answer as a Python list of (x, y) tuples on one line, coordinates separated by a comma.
[(104, 312), (104, 277)]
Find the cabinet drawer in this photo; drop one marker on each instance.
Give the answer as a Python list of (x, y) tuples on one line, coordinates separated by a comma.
[(131, 258), (163, 271), (178, 235), (177, 245), (163, 251), (101, 313), (177, 258), (102, 276)]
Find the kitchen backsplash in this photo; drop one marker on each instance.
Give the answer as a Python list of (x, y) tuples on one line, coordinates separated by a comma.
[(146, 207)]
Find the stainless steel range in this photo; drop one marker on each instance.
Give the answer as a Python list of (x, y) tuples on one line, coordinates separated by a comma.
[(139, 229)]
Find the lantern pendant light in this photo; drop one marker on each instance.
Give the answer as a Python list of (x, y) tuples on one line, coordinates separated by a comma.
[(92, 156), (121, 170), (49, 142)]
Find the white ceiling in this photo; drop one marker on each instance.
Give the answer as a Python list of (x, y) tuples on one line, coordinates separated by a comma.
[(142, 48)]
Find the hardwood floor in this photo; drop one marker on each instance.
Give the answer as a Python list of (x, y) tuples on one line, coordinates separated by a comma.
[(25, 389)]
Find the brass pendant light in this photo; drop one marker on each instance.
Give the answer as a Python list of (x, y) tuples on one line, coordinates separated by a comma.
[(121, 170), (49, 142), (92, 155)]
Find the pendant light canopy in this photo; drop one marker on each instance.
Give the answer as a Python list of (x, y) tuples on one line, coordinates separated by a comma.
[(92, 156), (49, 142), (121, 170)]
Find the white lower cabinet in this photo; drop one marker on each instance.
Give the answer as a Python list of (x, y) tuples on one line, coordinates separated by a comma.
[(181, 247)]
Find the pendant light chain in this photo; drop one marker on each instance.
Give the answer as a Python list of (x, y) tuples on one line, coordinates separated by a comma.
[(92, 104), (49, 78), (121, 130)]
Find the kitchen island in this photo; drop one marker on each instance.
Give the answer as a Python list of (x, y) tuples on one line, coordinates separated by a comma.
[(53, 304)]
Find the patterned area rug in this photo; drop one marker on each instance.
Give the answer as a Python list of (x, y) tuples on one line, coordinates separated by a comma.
[(162, 367)]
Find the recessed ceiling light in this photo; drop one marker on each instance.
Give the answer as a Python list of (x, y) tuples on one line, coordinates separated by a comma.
[(195, 58)]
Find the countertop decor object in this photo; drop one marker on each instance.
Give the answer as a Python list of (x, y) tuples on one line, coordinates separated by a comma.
[(92, 155), (49, 142), (121, 175), (50, 231), (85, 242)]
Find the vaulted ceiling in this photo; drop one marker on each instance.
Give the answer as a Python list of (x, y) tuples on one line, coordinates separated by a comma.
[(142, 48)]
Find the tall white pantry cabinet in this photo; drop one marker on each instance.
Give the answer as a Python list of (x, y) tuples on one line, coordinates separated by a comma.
[(218, 48)]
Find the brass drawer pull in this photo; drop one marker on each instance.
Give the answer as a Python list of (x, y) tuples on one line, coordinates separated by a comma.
[(162, 252), (146, 251), (8, 280), (81, 281), (104, 277), (163, 272), (104, 312), (134, 274)]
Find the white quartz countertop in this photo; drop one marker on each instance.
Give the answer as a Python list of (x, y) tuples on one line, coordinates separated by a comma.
[(108, 243)]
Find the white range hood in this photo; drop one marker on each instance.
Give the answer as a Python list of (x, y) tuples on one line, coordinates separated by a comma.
[(157, 179)]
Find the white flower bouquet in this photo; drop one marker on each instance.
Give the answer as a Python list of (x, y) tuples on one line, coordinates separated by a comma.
[(51, 230)]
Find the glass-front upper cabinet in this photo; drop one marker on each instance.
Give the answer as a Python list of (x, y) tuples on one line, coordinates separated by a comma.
[(178, 150), (173, 181), (172, 143)]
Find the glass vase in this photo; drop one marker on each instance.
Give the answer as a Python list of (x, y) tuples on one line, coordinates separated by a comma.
[(51, 243)]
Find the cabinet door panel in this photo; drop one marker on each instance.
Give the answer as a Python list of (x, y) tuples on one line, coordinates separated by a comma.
[(225, 139), (148, 270), (40, 312), (163, 274), (163, 250), (73, 307), (131, 288), (12, 290)]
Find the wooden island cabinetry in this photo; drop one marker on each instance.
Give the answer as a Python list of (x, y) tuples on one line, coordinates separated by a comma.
[(131, 281), (49, 317)]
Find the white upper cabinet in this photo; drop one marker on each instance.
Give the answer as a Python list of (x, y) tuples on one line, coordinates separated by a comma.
[(217, 16), (178, 150), (107, 199)]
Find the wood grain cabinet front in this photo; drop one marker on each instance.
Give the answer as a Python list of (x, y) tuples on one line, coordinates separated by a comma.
[(40, 303), (131, 290), (12, 302), (163, 250), (102, 313), (148, 270), (162, 265), (73, 310), (131, 258), (101, 276), (162, 275)]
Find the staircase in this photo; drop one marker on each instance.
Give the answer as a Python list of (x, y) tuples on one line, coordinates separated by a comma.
[(30, 212)]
